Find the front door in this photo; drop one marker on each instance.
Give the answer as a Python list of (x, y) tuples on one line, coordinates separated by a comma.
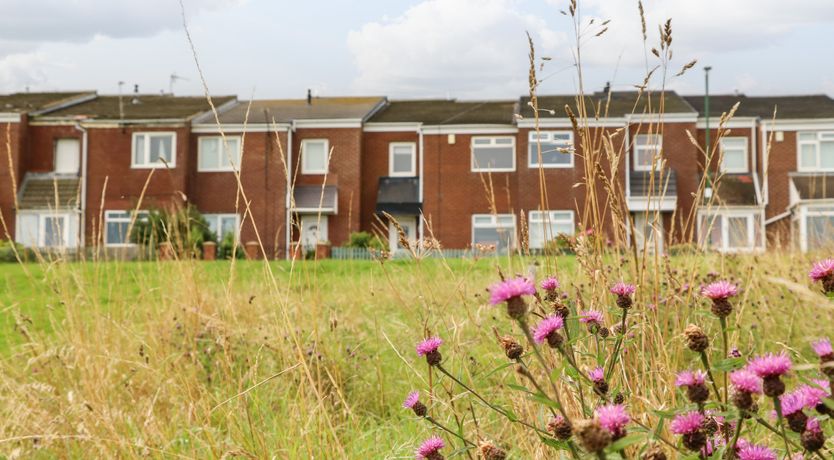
[(67, 156), (409, 226), (313, 230), (648, 231)]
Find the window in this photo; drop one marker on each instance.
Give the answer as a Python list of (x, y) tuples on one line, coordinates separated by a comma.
[(646, 148), (117, 224), (154, 150), (497, 230), (223, 224), (819, 228), (648, 231), (816, 151), (493, 154), (555, 146), (545, 226), (730, 231), (402, 159), (47, 229), (734, 153), (67, 156), (215, 155), (314, 153)]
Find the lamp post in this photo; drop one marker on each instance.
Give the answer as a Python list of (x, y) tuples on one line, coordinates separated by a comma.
[(706, 106)]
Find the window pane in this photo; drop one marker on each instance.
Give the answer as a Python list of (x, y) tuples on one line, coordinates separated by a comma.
[(808, 155), (820, 231), (161, 147), (500, 237), (827, 155), (139, 150), (505, 220), (483, 220), (53, 231), (737, 232), (27, 229), (209, 153), (402, 163), (734, 160), (492, 158), (806, 136), (315, 156), (231, 153), (481, 141), (504, 141), (117, 232), (228, 224), (551, 155)]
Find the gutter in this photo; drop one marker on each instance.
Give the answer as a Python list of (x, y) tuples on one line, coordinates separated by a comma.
[(420, 226), (289, 191), (82, 224)]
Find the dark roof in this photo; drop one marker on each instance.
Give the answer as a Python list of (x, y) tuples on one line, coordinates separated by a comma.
[(141, 107), (787, 107), (620, 104), (734, 190), (640, 184), (398, 195), (39, 193), (286, 110), (310, 197), (446, 112), (814, 186), (34, 102)]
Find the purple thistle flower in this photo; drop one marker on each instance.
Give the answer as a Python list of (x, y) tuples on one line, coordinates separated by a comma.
[(613, 417), (822, 270), (770, 365), (823, 348), (597, 374), (412, 399), (686, 423), (430, 447), (747, 381), (690, 378), (825, 385), (792, 402), (430, 345), (813, 425), (506, 290), (623, 289), (754, 452), (811, 395), (590, 316), (720, 290), (546, 327), (550, 283)]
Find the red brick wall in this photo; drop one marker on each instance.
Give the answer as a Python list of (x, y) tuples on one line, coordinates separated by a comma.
[(109, 157), (781, 162), (12, 142), (263, 179), (40, 153), (344, 172), (375, 152)]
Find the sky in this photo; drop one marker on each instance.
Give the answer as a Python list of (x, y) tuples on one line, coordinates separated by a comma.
[(466, 49)]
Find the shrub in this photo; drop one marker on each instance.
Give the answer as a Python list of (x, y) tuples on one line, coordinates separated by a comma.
[(185, 228), (365, 240), (227, 247)]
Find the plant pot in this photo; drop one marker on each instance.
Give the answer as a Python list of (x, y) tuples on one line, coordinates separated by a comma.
[(252, 250), (296, 251), (323, 251), (209, 250), (165, 251)]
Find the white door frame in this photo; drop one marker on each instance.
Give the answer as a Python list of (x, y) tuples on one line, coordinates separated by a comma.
[(321, 234), (409, 224)]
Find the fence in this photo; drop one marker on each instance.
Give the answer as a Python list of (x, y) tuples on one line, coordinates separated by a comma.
[(345, 253)]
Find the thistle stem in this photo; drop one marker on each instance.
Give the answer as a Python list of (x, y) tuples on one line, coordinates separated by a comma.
[(725, 344), (705, 361), (440, 425), (777, 404), (620, 337)]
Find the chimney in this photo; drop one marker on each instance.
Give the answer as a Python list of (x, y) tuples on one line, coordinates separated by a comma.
[(607, 88), (136, 88), (309, 96)]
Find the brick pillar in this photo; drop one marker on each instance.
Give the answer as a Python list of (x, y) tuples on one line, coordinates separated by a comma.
[(209, 250), (252, 250)]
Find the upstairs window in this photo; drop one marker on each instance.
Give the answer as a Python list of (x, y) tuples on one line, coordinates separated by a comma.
[(154, 150), (402, 159), (556, 149), (544, 226), (493, 154), (314, 153), (215, 155), (734, 154), (646, 148), (816, 151)]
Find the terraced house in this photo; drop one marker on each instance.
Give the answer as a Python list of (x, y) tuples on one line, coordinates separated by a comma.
[(77, 165)]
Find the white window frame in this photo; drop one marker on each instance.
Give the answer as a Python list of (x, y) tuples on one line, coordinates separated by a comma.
[(219, 221), (492, 144), (304, 168), (655, 146), (146, 155), (140, 214), (745, 152), (42, 229), (724, 215), (804, 212), (494, 223), (533, 140), (413, 171), (821, 136), (224, 165), (545, 218)]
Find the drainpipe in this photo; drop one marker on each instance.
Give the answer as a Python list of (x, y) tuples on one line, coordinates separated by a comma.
[(288, 202), (706, 106), (82, 221), (420, 184)]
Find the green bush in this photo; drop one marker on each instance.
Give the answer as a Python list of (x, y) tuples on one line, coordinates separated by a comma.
[(227, 246), (365, 240), (185, 228), (7, 251)]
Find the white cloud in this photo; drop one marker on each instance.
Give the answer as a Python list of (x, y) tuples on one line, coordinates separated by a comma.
[(459, 47), (18, 71)]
